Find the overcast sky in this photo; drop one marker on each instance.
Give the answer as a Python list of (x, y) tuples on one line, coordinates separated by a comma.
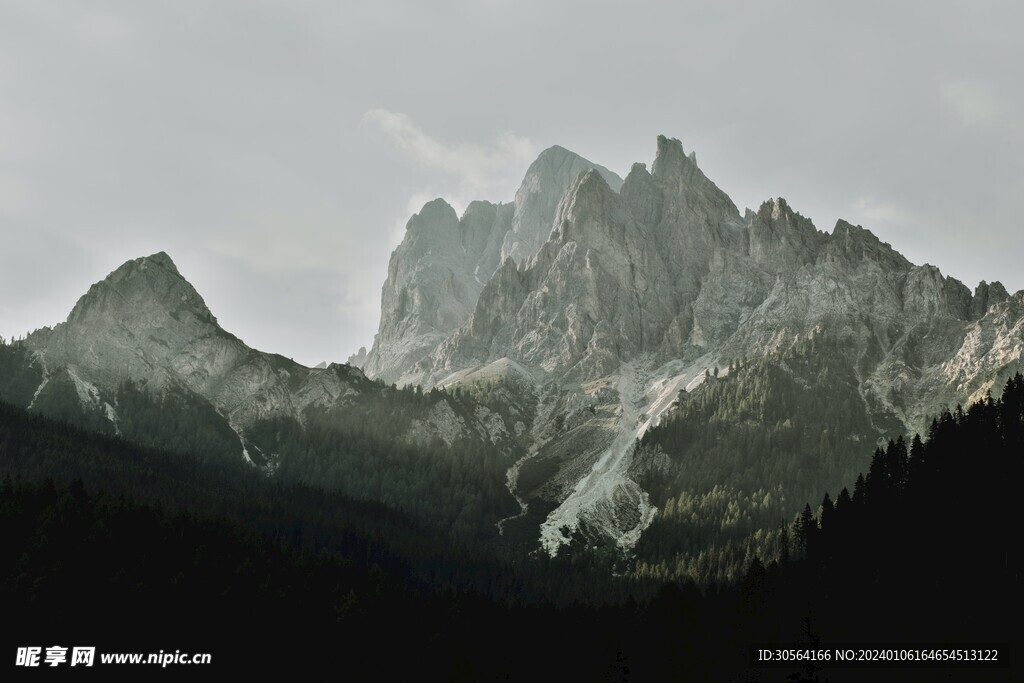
[(276, 149)]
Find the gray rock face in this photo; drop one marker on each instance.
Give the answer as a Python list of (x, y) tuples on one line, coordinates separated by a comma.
[(538, 197), (438, 271), (356, 360), (782, 240), (659, 270), (667, 270), (145, 322), (434, 278), (597, 315), (661, 279)]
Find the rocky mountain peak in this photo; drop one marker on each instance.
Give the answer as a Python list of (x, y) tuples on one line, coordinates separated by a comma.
[(690, 200), (357, 359), (437, 220), (852, 242), (537, 199), (985, 296), (436, 275), (637, 170), (780, 238), (776, 209), (670, 159), (142, 287), (137, 322), (588, 196), (435, 208), (162, 260)]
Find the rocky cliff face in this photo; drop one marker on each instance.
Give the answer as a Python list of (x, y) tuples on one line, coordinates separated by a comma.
[(581, 312), (147, 324), (638, 290), (434, 278), (658, 270), (438, 271), (667, 271), (537, 199)]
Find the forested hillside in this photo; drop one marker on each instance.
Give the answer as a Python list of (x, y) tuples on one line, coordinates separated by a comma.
[(742, 453), (106, 537), (380, 445)]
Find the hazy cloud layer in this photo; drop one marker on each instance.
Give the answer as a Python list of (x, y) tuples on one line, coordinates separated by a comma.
[(276, 150), (478, 169)]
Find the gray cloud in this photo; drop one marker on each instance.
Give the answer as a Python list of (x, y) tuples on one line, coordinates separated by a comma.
[(477, 167), (235, 135)]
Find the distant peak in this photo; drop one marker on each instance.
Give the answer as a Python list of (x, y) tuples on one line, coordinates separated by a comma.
[(435, 206), (853, 239), (479, 205), (160, 259), (849, 233), (137, 268), (775, 209), (557, 160), (434, 211), (556, 152), (779, 208), (148, 283), (670, 157), (846, 228), (556, 149), (987, 295), (590, 182)]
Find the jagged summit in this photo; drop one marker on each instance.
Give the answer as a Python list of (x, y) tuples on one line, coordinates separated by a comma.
[(854, 241), (987, 295), (141, 288), (670, 157), (660, 265), (138, 322), (162, 259), (557, 157), (638, 168), (538, 196), (146, 323), (588, 192), (660, 276), (592, 305), (434, 211), (777, 208), (436, 275), (781, 239)]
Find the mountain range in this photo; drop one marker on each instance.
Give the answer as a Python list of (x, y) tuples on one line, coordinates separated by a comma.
[(567, 332), (638, 291)]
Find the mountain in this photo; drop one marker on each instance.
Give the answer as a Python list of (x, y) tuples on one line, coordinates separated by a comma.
[(145, 327), (641, 292), (436, 274), (634, 365), (144, 322), (647, 397), (357, 359)]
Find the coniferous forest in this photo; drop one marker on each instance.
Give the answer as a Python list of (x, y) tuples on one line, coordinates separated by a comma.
[(386, 564)]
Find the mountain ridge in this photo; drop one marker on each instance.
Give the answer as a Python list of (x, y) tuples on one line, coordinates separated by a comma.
[(641, 291), (655, 284), (144, 328)]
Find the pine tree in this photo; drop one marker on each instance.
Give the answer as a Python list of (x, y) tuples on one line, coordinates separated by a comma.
[(827, 513), (859, 487)]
